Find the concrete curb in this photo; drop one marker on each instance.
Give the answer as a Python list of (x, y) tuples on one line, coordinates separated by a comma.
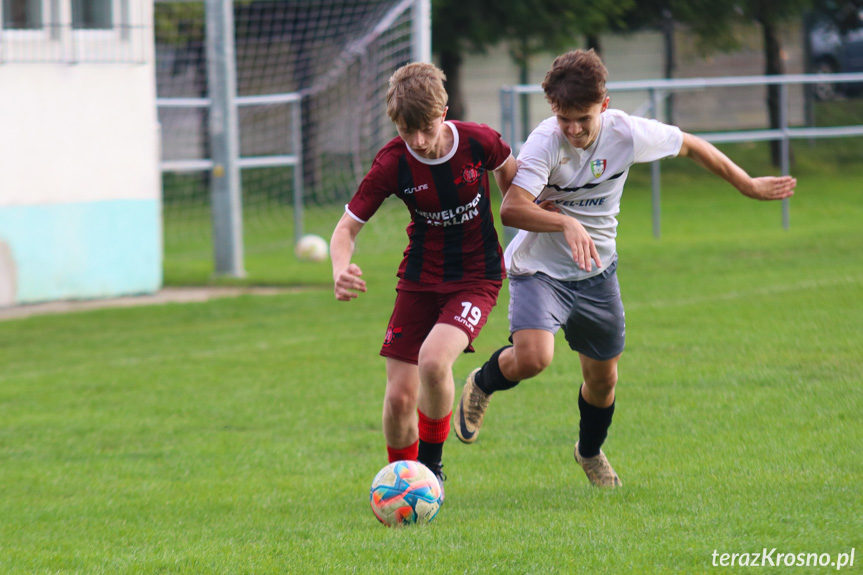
[(167, 295)]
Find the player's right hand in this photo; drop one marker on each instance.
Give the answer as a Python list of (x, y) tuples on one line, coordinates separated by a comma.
[(581, 244), (348, 283), (549, 206)]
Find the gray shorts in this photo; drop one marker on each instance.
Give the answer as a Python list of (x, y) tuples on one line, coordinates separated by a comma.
[(589, 311)]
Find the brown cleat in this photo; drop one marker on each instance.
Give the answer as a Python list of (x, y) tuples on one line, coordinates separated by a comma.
[(470, 410), (598, 469)]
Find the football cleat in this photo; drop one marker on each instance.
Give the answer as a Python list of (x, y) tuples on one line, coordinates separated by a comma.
[(470, 410), (598, 469)]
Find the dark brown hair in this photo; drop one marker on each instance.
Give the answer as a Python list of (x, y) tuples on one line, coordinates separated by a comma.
[(576, 80)]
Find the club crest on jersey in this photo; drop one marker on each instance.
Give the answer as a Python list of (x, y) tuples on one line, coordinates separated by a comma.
[(470, 174), (597, 167)]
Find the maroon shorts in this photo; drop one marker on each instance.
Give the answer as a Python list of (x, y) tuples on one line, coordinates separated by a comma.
[(419, 308)]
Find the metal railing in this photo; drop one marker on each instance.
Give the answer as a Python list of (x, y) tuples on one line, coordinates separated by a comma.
[(294, 160), (658, 89)]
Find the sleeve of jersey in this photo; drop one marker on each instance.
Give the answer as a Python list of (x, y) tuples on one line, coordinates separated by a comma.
[(376, 186), (653, 140), (535, 164), (498, 151)]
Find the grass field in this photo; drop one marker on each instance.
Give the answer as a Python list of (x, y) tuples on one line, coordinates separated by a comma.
[(240, 436)]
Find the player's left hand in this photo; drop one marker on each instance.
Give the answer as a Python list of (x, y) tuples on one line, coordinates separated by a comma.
[(770, 188)]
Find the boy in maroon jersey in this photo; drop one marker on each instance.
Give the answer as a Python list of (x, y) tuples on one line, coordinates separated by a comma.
[(452, 268)]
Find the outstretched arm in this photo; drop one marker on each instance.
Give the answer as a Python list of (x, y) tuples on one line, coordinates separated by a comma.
[(346, 275), (707, 155)]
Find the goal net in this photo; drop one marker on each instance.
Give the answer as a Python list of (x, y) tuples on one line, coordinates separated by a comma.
[(336, 54)]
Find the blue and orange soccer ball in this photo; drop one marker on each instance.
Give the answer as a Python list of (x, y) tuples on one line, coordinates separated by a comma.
[(405, 493)]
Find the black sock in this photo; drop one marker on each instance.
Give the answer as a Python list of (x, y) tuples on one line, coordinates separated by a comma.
[(490, 379), (593, 427), (430, 454)]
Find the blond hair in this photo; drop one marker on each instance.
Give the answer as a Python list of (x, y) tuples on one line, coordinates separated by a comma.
[(416, 95)]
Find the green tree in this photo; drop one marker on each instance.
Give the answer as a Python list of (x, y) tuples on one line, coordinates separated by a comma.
[(713, 23), (527, 26), (770, 14), (708, 19)]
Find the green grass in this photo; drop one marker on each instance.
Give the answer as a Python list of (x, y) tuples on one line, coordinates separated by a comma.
[(240, 436)]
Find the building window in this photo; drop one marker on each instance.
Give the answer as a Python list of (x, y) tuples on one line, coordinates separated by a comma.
[(92, 14), (75, 31), (22, 14)]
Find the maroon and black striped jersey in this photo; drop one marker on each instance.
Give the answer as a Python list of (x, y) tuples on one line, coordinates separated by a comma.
[(451, 236)]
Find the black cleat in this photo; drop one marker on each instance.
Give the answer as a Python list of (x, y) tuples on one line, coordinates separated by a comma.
[(437, 469)]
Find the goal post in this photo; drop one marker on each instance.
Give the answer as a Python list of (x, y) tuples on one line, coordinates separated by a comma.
[(227, 206), (309, 102), (422, 31)]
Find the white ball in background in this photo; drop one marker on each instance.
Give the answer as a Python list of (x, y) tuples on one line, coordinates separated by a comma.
[(312, 248)]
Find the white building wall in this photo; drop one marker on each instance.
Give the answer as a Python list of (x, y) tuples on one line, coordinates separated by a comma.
[(80, 187)]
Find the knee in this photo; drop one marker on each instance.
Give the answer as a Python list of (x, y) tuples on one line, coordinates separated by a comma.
[(434, 370), (400, 402), (532, 362), (601, 383)]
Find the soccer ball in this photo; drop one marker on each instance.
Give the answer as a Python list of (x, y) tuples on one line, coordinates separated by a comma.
[(404, 493), (311, 248)]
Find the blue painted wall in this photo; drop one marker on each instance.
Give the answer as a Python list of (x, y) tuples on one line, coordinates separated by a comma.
[(84, 250)]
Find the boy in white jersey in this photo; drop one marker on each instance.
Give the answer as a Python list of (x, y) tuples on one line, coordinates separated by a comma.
[(562, 264)]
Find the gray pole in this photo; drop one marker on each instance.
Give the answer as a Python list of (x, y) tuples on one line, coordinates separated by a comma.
[(507, 126), (655, 176), (421, 47), (524, 101), (299, 190), (786, 150), (227, 209)]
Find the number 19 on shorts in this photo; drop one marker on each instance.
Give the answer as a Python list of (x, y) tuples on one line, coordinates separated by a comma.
[(471, 313)]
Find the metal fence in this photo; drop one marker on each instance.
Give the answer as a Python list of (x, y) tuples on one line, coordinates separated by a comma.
[(658, 90)]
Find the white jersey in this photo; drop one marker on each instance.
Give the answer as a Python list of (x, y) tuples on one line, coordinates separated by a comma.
[(584, 184)]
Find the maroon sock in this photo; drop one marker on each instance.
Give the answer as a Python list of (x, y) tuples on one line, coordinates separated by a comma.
[(408, 453)]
